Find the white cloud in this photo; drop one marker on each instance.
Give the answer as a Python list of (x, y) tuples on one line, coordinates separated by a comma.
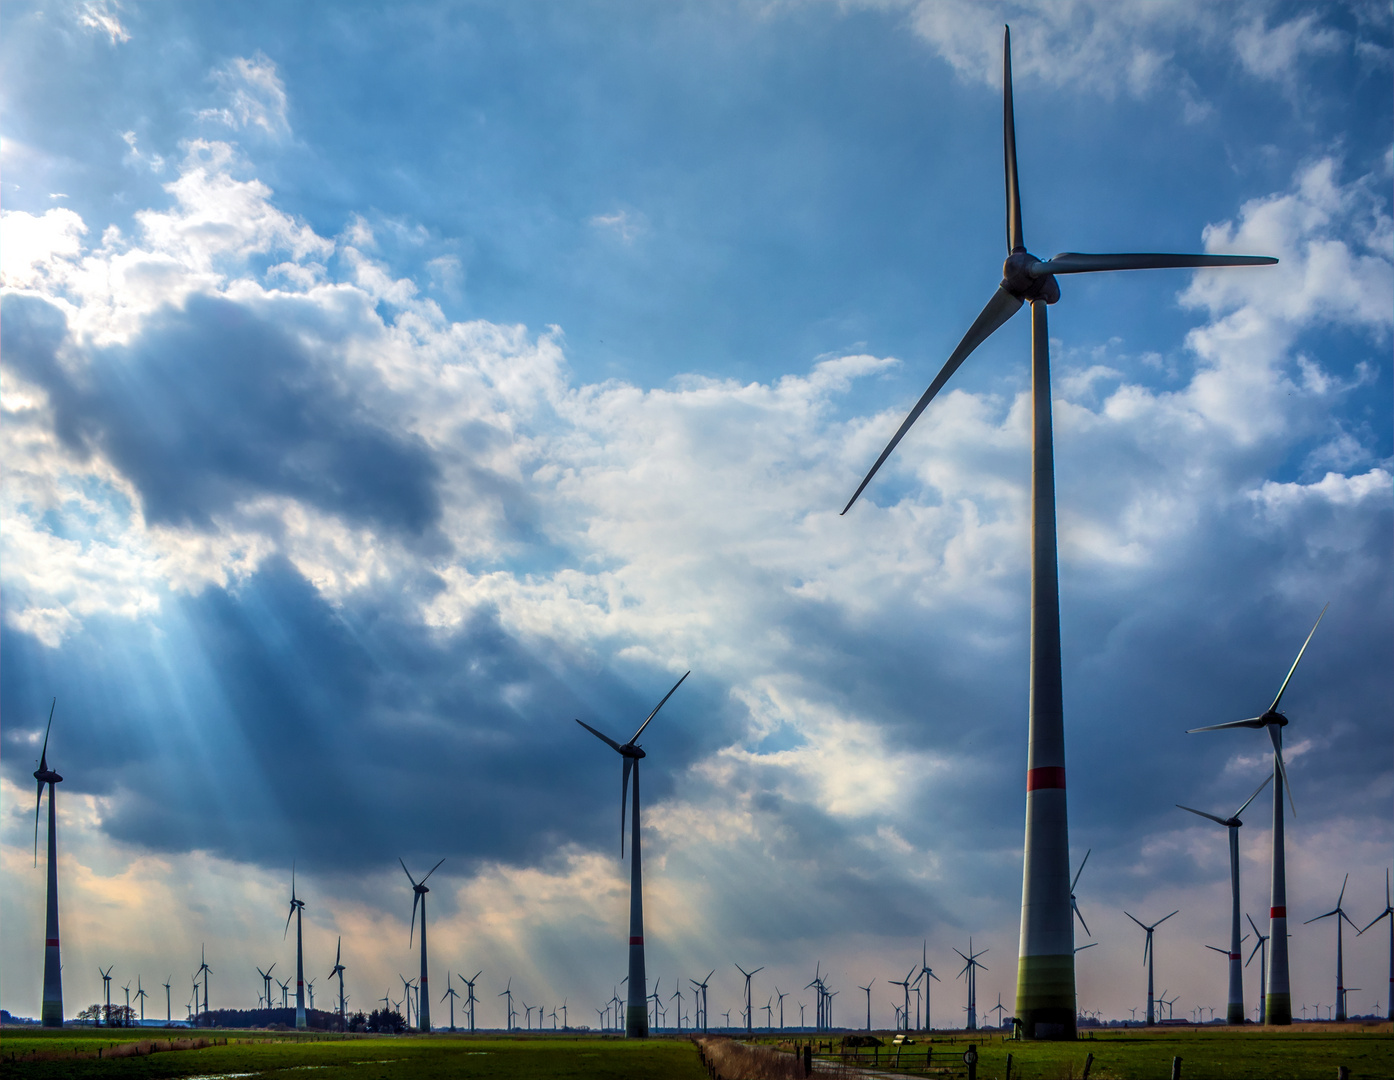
[(1274, 52), (256, 97), (622, 223), (101, 17)]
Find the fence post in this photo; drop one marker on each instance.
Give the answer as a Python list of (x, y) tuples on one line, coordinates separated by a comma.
[(1088, 1064), (1176, 1068), (1009, 1067), (970, 1058), (1342, 1072), (808, 1059)]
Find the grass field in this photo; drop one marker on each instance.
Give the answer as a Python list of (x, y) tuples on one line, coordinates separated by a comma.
[(1209, 1053)]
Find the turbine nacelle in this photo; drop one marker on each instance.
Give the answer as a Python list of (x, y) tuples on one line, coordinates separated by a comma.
[(1023, 277)]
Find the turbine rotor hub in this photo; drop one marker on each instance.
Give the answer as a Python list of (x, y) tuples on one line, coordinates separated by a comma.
[(1277, 718), (1018, 279), (632, 751), (47, 776)]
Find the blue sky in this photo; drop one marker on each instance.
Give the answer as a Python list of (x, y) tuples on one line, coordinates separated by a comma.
[(385, 388)]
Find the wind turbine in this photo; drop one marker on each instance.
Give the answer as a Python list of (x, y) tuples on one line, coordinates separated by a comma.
[(564, 1025), (419, 890), (748, 975), (106, 990), (527, 1014), (310, 990), (636, 1021), (339, 971), (678, 994), (141, 995), (470, 999), (205, 971), (970, 971), (1261, 947), (508, 993), (1278, 998), (126, 1016), (904, 984), (926, 973), (407, 987), (169, 1015), (266, 979), (1074, 901), (1045, 972), (999, 1008), (1340, 914), (296, 907), (285, 993), (701, 987), (779, 1000), (1388, 910), (1234, 1013), (52, 1014), (867, 991), (1147, 957)]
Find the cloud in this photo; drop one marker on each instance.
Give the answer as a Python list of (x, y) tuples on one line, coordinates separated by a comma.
[(622, 223), (100, 16), (256, 96), (1274, 53)]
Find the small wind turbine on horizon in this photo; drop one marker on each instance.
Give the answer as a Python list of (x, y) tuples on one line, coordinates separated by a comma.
[(141, 996), (169, 1015), (926, 973), (205, 971), (867, 991), (470, 999), (636, 1021), (1261, 948), (419, 891), (1234, 1012), (1045, 975), (1278, 996), (1340, 914), (1388, 911), (508, 993), (970, 971), (52, 1008), (748, 976), (296, 907), (1148, 955), (106, 991), (266, 980), (338, 971)]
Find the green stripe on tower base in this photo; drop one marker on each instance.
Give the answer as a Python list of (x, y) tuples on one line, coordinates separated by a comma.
[(1045, 996), (1277, 1009), (636, 1022), (1235, 1015), (52, 1015)]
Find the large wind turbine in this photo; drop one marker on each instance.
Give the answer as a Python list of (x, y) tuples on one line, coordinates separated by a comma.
[(1045, 971), (419, 890), (1234, 1014), (339, 971), (1388, 910), (1340, 914), (748, 976), (52, 1015), (1148, 956), (970, 971), (636, 1018), (296, 907), (1277, 1005)]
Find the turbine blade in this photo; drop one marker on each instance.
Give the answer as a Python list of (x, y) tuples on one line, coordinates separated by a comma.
[(1202, 813), (288, 918), (43, 756), (415, 899), (1282, 767), (1081, 869), (38, 802), (1014, 232), (998, 310), (1318, 918), (1162, 920), (602, 738), (1377, 918), (407, 872), (1281, 689), (1253, 924), (1081, 918), (624, 798), (1254, 796), (657, 707), (1129, 914), (1343, 892), (1074, 262), (431, 871), (1253, 722), (1222, 952)]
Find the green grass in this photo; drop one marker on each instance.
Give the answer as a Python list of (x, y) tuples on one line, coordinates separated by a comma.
[(370, 1058), (1209, 1053)]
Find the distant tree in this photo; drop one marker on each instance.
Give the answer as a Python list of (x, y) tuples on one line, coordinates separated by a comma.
[(92, 1012), (122, 1016), (358, 1022), (386, 1021)]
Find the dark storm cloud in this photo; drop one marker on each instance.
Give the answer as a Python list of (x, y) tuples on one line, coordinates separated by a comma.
[(209, 404), (351, 739)]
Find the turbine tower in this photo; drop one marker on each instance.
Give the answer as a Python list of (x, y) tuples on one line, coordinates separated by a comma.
[(1147, 958), (205, 971), (1234, 1014), (1277, 1004), (1388, 910), (266, 979), (52, 1015), (470, 999), (1261, 948), (296, 907), (748, 976), (339, 971), (970, 971), (867, 991), (1045, 971), (926, 973), (419, 890), (141, 995), (106, 991), (636, 1019), (1340, 914), (169, 1015)]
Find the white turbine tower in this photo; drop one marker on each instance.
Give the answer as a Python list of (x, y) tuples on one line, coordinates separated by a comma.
[(1388, 910), (1340, 914), (52, 1014), (296, 907), (1148, 956), (419, 891), (636, 1020)]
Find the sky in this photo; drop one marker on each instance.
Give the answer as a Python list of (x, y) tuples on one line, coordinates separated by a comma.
[(387, 387)]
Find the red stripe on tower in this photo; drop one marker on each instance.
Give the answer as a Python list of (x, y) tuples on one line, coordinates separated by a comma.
[(1047, 776), (636, 941), (51, 942), (1277, 913)]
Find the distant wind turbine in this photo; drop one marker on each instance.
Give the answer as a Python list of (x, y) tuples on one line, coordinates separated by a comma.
[(1148, 955), (1261, 947), (419, 891), (52, 1008), (1234, 1013), (867, 991), (1045, 976), (1340, 914), (470, 999), (106, 990), (141, 996), (338, 972), (970, 972), (748, 976), (205, 971), (1388, 910), (1278, 998), (169, 1015), (636, 1021), (508, 993), (266, 980), (296, 907), (926, 973)]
